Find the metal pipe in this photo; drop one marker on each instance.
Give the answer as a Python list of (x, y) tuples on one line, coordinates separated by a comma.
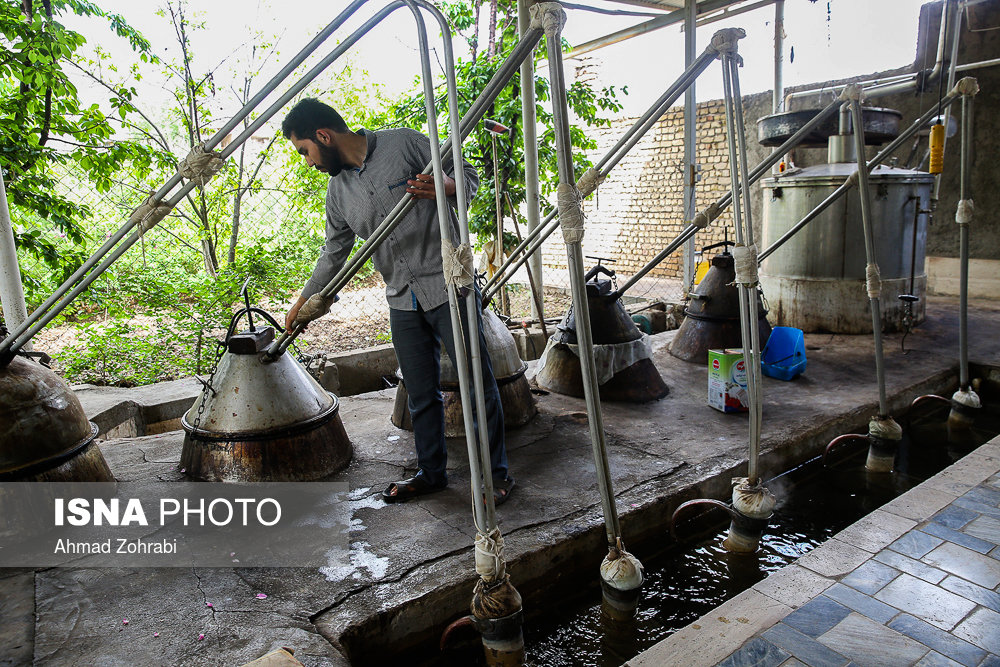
[(956, 34), (779, 56), (866, 223), (690, 132), (751, 352), (965, 169), (574, 255), (931, 75), (176, 178), (874, 162), (655, 24), (604, 166), (982, 63), (530, 137), (11, 290)]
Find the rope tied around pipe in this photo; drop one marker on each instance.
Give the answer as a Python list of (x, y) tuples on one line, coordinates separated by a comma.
[(490, 564), (456, 261), (570, 212), (745, 262), (549, 16), (966, 86), (149, 213), (967, 398), (964, 212), (724, 43), (200, 165), (589, 181), (873, 281), (885, 428), (852, 91), (315, 306), (704, 218)]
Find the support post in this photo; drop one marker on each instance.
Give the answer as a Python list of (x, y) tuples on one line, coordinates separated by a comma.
[(690, 135), (530, 134)]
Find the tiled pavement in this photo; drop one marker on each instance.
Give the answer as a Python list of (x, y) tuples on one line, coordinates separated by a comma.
[(915, 583)]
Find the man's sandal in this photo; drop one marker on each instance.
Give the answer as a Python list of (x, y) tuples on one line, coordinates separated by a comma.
[(502, 490), (403, 490)]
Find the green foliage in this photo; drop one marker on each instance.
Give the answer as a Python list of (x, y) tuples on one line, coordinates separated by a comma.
[(45, 128), (473, 73)]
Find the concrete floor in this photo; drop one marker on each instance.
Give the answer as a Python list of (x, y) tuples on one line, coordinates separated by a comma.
[(412, 568)]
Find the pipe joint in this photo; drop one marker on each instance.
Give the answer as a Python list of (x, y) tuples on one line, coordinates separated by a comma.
[(967, 86), (589, 182), (499, 629), (753, 501), (549, 17), (725, 43), (851, 92)]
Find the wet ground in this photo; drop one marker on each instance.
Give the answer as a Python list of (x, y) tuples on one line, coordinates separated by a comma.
[(412, 570)]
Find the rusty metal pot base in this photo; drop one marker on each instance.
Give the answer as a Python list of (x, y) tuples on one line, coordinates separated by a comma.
[(515, 396), (287, 455), (638, 383), (86, 464)]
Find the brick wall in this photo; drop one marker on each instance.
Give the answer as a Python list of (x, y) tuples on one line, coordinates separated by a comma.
[(639, 209)]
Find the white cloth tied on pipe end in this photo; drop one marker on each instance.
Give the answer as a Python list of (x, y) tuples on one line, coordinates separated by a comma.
[(963, 214), (149, 213), (745, 262), (490, 563), (315, 306), (589, 181), (966, 86), (549, 16), (570, 212), (885, 428), (456, 261), (200, 165), (873, 281)]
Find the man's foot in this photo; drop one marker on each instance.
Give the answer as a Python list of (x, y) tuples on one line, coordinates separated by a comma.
[(502, 490), (401, 491)]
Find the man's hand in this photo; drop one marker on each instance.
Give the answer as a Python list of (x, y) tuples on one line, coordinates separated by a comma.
[(421, 186), (292, 312)]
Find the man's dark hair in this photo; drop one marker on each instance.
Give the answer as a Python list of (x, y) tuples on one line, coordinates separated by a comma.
[(309, 115)]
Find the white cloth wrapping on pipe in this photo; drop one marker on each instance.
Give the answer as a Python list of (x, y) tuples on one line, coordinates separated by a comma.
[(745, 262), (963, 214), (149, 213), (456, 262), (200, 165), (490, 564), (609, 358), (570, 212), (873, 281)]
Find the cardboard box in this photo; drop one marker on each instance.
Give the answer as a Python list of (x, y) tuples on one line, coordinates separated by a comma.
[(727, 381)]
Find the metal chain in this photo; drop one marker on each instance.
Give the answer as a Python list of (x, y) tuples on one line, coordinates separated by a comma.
[(221, 350)]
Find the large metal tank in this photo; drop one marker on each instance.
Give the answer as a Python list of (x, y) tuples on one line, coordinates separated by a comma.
[(508, 369), (816, 280)]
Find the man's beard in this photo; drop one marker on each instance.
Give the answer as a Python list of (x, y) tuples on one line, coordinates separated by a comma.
[(332, 164)]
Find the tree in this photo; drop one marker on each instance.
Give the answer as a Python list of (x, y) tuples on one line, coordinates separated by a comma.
[(500, 19), (45, 128)]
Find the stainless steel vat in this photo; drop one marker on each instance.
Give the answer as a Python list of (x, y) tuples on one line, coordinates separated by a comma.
[(816, 280)]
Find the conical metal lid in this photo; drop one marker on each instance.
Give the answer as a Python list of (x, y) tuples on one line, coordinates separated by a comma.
[(502, 348), (252, 397)]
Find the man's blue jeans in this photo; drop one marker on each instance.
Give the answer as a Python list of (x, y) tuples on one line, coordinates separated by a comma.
[(417, 336)]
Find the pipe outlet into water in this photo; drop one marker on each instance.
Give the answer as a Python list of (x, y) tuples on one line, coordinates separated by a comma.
[(621, 583), (884, 435), (965, 405)]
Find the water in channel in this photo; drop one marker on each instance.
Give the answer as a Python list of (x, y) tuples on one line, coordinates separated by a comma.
[(689, 579)]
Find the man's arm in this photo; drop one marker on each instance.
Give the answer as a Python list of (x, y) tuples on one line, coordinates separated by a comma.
[(332, 257), (421, 186)]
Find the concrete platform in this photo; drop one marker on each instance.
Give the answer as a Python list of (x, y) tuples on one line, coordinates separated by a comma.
[(412, 566)]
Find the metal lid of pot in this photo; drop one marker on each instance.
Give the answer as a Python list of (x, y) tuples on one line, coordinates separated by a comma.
[(251, 397), (41, 419), (502, 348), (881, 125)]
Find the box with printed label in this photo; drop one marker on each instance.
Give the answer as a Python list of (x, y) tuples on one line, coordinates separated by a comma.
[(727, 381)]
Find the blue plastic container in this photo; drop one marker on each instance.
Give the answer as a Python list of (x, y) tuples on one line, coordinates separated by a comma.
[(784, 355)]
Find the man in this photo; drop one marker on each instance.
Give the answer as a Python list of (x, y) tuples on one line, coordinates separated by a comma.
[(369, 172)]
